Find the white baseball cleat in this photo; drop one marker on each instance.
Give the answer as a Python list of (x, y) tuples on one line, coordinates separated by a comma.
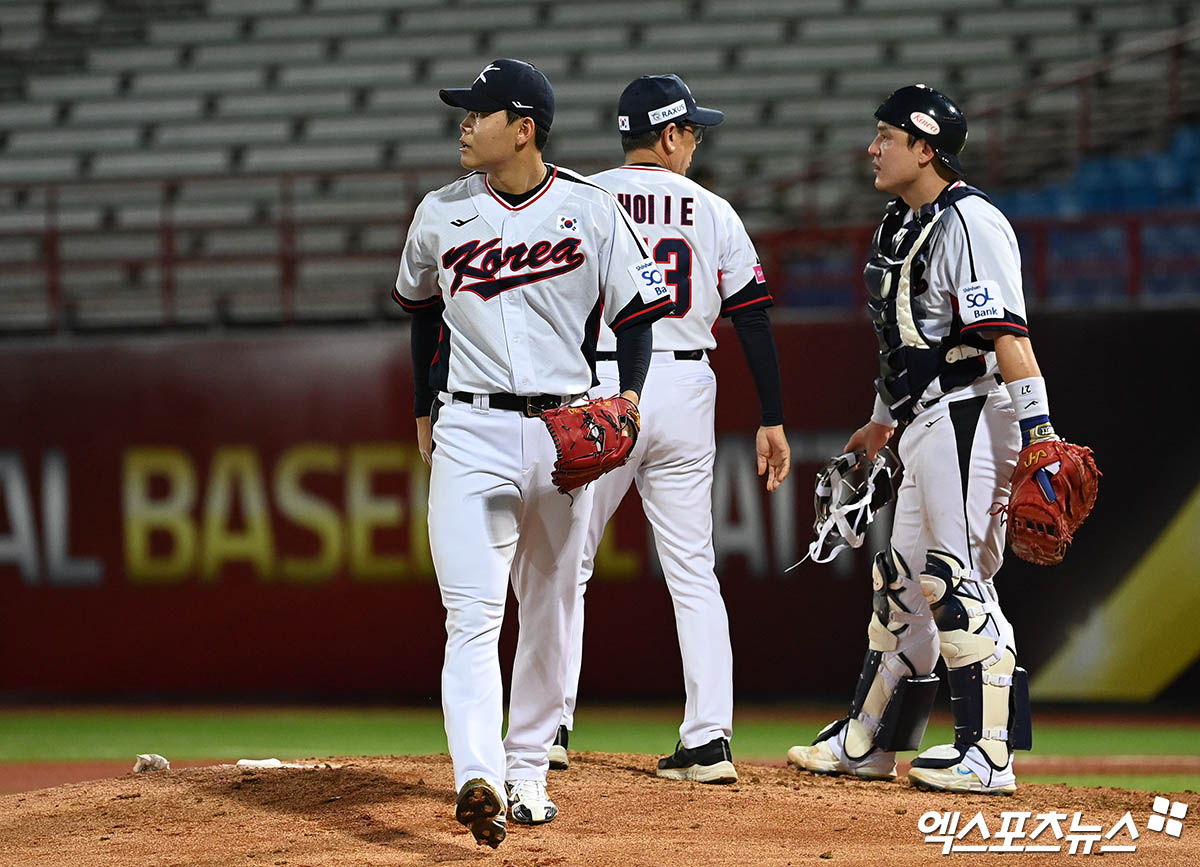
[(820, 758), (528, 802), (559, 761), (955, 768)]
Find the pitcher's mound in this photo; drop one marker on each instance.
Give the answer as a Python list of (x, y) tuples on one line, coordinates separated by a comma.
[(612, 811)]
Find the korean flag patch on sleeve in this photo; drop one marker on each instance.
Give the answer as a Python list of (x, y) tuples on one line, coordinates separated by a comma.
[(649, 281), (568, 224)]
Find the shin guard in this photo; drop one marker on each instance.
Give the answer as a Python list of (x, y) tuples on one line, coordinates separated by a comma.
[(892, 699), (989, 693)]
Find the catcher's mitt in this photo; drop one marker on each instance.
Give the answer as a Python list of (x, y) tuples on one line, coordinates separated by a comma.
[(1053, 489), (589, 439)]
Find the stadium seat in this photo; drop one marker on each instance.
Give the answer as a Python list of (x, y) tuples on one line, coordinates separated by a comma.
[(316, 88)]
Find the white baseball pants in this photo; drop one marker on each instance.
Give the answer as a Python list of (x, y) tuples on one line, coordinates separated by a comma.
[(495, 516), (672, 466), (958, 460)]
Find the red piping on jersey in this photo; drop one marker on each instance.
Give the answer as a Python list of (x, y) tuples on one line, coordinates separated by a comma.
[(549, 183), (747, 304), (641, 312), (1002, 323), (409, 304), (441, 337)]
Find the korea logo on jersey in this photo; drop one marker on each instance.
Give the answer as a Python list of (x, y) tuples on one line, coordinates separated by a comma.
[(568, 224), (477, 264), (979, 301), (649, 281)]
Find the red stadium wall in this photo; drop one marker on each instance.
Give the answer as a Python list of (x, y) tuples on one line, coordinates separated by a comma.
[(244, 516)]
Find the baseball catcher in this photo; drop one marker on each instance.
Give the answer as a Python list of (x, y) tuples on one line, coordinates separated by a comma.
[(958, 374), (591, 439)]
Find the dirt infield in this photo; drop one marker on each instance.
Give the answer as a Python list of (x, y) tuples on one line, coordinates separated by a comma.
[(399, 810)]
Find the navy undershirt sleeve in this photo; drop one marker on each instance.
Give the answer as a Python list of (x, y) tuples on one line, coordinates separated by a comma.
[(634, 345), (754, 331), (426, 330)]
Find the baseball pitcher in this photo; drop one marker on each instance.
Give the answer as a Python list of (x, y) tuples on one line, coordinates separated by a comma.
[(508, 272)]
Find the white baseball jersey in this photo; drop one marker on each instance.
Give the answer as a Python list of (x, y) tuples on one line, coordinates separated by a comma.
[(975, 273), (972, 283), (525, 287), (695, 236)]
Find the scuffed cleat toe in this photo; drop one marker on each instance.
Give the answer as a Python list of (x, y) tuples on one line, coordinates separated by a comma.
[(480, 807)]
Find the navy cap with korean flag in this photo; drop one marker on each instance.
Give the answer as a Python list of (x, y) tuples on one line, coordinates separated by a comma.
[(507, 85), (652, 101)]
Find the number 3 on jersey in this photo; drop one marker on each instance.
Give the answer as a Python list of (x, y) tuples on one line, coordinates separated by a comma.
[(677, 253)]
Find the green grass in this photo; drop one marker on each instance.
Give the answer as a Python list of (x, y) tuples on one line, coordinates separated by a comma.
[(217, 734), (1158, 783), (762, 733)]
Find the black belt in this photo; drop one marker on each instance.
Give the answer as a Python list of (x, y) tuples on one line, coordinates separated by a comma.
[(531, 405), (680, 355)]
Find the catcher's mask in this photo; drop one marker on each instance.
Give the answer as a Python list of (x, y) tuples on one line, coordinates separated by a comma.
[(849, 491)]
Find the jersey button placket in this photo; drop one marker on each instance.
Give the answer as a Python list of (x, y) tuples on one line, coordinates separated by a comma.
[(513, 313)]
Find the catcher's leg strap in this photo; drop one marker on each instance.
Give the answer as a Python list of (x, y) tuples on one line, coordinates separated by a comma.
[(885, 668), (989, 693)]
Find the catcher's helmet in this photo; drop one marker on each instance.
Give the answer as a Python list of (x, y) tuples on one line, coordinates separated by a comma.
[(933, 116), (850, 490)]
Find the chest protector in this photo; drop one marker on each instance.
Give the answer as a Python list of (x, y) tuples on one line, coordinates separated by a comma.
[(896, 277)]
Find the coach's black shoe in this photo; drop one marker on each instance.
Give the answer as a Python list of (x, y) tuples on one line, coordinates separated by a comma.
[(558, 752), (711, 763), (482, 809)]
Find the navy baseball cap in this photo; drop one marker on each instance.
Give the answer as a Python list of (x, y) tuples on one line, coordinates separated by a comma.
[(652, 101), (507, 85)]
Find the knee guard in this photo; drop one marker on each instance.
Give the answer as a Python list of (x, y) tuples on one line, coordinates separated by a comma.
[(892, 700), (989, 693)]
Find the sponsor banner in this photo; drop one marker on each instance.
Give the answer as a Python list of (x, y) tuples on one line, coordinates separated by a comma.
[(246, 516)]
